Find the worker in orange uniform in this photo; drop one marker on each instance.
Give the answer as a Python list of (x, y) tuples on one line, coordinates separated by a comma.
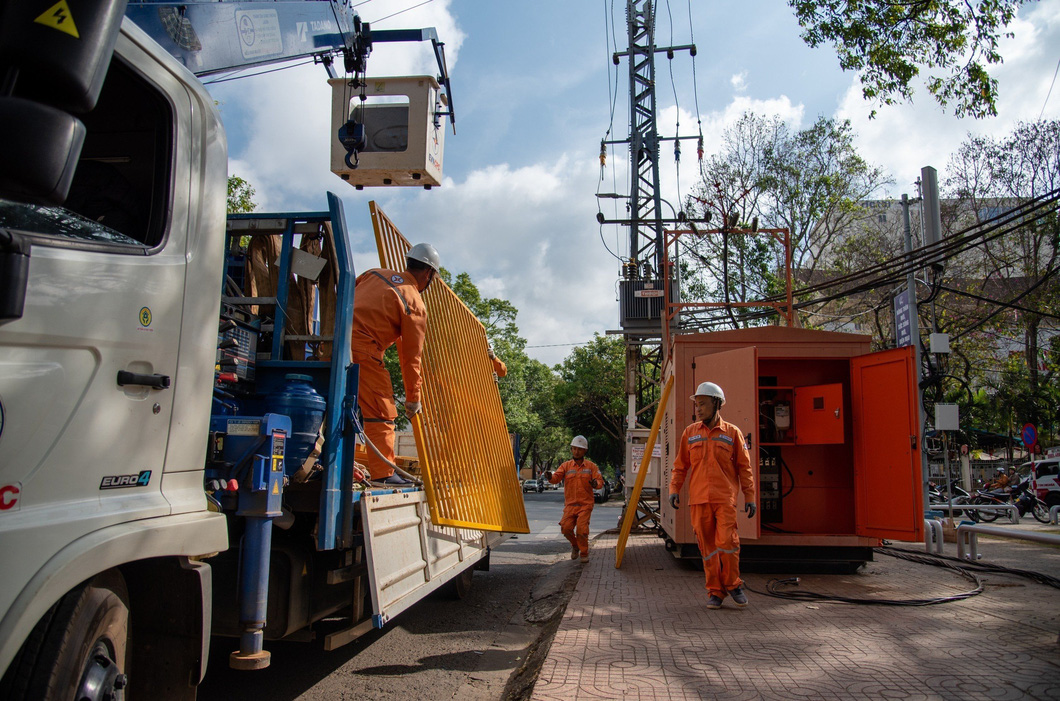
[(712, 455), (388, 308), (579, 477), (499, 368)]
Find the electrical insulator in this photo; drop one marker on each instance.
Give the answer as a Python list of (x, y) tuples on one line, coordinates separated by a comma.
[(699, 148), (603, 153), (677, 150)]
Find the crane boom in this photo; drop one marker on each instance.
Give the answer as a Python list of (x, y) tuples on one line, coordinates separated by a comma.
[(210, 37)]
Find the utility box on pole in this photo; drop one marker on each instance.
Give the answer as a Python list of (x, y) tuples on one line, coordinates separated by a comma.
[(635, 440)]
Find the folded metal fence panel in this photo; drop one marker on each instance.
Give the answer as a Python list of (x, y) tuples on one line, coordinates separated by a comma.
[(462, 439)]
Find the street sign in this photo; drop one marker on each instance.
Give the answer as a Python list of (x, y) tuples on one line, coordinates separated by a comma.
[(1029, 434), (902, 330)]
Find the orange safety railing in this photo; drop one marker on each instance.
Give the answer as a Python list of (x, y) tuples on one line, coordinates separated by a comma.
[(465, 453)]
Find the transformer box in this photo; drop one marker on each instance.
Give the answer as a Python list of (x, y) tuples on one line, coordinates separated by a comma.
[(833, 435)]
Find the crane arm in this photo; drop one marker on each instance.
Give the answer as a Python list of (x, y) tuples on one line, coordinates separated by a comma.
[(209, 36)]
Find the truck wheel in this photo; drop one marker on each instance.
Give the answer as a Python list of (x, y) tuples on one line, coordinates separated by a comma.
[(79, 650), (460, 586)]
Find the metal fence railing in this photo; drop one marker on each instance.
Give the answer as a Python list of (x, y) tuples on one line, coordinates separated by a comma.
[(465, 453), (968, 540)]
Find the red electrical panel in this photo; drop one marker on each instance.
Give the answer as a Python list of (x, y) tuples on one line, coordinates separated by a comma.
[(819, 415)]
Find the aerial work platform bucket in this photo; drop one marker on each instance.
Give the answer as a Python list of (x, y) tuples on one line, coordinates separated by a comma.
[(404, 131)]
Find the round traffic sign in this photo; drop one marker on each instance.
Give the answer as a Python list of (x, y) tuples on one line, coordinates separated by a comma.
[(1029, 435)]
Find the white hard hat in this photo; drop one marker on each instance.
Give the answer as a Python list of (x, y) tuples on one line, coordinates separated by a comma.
[(708, 389), (425, 253), (579, 442)]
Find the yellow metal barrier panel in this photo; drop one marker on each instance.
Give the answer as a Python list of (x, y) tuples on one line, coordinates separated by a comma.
[(465, 452)]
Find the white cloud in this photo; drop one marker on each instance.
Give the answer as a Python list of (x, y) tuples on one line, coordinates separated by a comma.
[(739, 81), (528, 235)]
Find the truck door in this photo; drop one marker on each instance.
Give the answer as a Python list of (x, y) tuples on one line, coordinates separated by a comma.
[(736, 372), (88, 374), (887, 479)]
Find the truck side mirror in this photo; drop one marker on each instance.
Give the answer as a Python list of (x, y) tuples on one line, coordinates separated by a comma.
[(39, 151), (14, 275), (59, 56)]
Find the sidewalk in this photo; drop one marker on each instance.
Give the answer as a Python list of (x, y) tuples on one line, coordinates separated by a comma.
[(643, 632)]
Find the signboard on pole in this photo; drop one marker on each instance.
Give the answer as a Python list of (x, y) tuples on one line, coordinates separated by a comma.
[(902, 331), (1029, 434)]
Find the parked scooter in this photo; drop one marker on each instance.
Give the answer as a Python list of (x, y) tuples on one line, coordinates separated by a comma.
[(939, 495), (1028, 502)]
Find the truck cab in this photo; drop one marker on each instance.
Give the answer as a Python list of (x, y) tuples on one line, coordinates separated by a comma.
[(102, 375)]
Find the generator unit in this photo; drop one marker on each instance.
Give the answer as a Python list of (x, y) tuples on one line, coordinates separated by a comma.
[(833, 435)]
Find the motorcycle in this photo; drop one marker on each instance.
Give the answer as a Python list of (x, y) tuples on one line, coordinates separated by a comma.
[(939, 495), (1028, 502)]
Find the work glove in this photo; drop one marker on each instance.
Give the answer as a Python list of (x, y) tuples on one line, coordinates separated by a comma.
[(548, 475), (675, 500), (750, 509), (412, 408), (492, 355)]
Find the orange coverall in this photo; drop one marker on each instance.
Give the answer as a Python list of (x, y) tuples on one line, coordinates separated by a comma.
[(578, 477), (387, 307), (716, 463), (499, 367)]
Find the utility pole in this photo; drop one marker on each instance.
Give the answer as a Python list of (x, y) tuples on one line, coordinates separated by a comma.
[(642, 285), (914, 333)]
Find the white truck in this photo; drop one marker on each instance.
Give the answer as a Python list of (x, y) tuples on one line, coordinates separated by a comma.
[(150, 421)]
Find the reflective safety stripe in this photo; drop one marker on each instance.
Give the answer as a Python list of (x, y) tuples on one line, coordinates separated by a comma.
[(393, 287), (719, 551), (723, 438)]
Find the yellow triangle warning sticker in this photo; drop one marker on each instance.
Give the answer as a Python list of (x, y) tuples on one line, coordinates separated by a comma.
[(275, 487), (58, 17)]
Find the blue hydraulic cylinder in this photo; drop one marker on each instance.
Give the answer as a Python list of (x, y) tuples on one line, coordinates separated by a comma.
[(260, 501)]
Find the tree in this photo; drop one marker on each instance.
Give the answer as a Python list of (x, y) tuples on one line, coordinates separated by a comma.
[(591, 397), (990, 176), (811, 182), (890, 41), (240, 196)]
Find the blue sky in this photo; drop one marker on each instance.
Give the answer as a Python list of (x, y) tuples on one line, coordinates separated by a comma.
[(532, 88)]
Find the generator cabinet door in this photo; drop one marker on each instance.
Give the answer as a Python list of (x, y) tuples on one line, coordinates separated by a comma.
[(887, 478), (819, 414), (736, 372)]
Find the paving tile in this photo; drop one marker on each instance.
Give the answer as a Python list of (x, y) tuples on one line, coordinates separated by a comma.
[(643, 632)]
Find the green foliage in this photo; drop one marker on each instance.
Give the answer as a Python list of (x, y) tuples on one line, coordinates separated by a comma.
[(592, 398), (990, 175), (890, 42), (240, 196), (810, 182)]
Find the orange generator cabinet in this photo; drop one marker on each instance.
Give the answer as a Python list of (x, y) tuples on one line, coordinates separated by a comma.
[(834, 437)]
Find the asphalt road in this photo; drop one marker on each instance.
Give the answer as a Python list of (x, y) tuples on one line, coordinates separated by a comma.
[(440, 648)]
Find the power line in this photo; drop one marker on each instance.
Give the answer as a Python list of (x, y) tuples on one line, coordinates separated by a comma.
[(425, 2), (251, 75), (559, 345), (1050, 90)]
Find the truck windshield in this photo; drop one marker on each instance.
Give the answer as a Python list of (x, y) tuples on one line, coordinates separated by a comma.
[(58, 222)]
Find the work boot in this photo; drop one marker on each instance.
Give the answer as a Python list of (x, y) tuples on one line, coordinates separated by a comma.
[(585, 556), (714, 602), (574, 552), (396, 480), (738, 597)]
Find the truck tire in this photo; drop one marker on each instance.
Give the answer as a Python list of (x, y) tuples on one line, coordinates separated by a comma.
[(460, 586), (79, 649)]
